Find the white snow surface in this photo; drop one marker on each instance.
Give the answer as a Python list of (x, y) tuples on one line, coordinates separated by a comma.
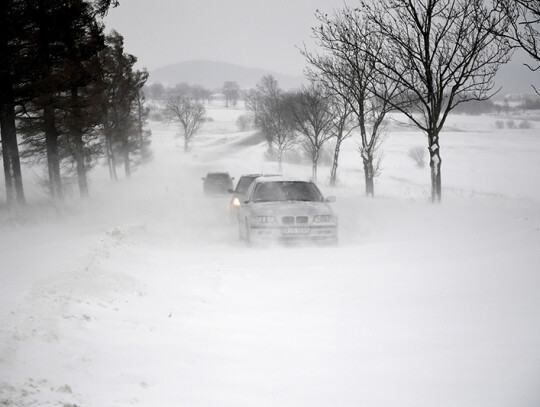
[(144, 296)]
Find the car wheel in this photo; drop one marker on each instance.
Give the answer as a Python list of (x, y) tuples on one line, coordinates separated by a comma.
[(248, 238), (240, 236)]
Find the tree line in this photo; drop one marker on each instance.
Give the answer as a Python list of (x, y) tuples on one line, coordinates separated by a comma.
[(72, 95), (310, 118), (68, 92), (230, 90), (421, 58)]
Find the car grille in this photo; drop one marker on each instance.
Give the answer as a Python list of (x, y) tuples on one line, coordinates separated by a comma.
[(287, 220), (290, 220)]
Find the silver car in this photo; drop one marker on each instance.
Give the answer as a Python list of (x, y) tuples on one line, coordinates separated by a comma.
[(280, 209)]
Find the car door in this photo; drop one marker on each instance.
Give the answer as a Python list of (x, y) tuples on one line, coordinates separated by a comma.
[(245, 206)]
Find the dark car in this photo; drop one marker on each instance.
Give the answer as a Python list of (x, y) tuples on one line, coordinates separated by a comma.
[(217, 183), (239, 193)]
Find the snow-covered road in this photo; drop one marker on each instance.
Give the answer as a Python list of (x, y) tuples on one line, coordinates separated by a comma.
[(145, 296)]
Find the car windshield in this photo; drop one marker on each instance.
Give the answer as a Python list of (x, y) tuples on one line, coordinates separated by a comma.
[(286, 191), (218, 177), (243, 184)]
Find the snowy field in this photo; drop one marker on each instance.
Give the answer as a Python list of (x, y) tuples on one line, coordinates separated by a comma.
[(144, 296)]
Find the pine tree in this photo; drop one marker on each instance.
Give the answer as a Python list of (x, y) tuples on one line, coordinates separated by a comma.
[(143, 135), (10, 55), (123, 113), (60, 116)]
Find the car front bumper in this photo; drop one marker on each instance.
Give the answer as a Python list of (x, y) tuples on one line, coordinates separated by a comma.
[(280, 233)]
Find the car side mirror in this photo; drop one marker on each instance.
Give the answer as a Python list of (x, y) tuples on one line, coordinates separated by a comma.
[(230, 191), (330, 199), (232, 178), (203, 178)]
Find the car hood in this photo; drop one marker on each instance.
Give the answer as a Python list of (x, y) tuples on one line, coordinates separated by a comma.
[(292, 208)]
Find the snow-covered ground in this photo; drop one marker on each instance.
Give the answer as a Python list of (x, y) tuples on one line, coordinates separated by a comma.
[(145, 296)]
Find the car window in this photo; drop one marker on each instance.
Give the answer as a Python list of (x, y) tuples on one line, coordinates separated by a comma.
[(243, 184), (286, 191), (218, 177), (249, 192)]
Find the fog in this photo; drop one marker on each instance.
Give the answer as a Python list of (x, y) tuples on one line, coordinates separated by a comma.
[(144, 295), (170, 31)]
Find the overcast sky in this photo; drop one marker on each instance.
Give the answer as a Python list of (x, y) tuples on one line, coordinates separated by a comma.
[(253, 33)]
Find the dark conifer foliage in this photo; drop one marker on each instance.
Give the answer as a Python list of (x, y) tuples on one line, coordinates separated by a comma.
[(80, 73), (123, 114), (66, 93), (142, 152), (11, 54), (61, 117)]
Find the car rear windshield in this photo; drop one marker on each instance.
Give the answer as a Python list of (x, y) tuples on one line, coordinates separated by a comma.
[(287, 191), (220, 177)]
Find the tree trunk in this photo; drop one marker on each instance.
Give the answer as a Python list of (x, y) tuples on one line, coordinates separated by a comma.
[(269, 143), (280, 161), (127, 166), (435, 166), (53, 156), (49, 121), (79, 145), (81, 167), (369, 175), (314, 166), (111, 160), (12, 165), (10, 148), (186, 145), (140, 122), (8, 176), (17, 174), (333, 172)]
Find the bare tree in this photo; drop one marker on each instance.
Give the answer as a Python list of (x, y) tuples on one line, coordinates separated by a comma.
[(441, 53), (282, 127), (271, 111), (312, 118), (524, 17), (418, 154), (231, 90), (343, 119), (343, 124), (261, 102), (346, 67), (189, 114), (199, 93), (155, 91)]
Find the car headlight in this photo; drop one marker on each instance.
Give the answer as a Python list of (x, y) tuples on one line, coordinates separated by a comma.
[(264, 219), (323, 219), (236, 202)]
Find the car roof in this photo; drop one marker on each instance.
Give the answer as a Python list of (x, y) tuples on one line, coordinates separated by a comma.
[(280, 178), (260, 175), (218, 173)]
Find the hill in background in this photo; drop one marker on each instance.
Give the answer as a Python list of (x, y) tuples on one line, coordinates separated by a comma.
[(212, 75), (513, 78)]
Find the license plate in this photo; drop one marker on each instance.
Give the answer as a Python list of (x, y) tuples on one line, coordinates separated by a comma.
[(295, 231)]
